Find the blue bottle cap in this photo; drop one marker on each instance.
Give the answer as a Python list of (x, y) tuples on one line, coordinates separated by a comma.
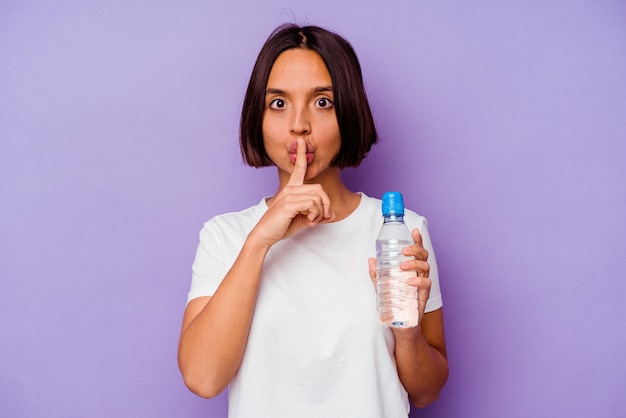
[(393, 204)]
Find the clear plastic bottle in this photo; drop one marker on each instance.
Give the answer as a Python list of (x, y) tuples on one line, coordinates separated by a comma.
[(397, 300)]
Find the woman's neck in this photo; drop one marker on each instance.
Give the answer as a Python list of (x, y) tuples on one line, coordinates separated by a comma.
[(342, 200)]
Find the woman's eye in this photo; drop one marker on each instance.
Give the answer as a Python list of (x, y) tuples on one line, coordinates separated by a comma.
[(277, 104), (324, 103)]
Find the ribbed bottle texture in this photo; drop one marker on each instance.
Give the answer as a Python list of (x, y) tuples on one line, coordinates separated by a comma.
[(397, 300)]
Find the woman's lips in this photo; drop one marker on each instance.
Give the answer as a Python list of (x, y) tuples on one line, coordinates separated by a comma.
[(293, 150), (309, 157)]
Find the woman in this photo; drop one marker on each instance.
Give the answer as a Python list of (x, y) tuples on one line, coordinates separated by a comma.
[(280, 307)]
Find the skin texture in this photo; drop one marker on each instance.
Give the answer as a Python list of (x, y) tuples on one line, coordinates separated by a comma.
[(301, 136)]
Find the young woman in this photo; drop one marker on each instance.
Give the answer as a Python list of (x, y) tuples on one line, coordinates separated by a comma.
[(281, 309)]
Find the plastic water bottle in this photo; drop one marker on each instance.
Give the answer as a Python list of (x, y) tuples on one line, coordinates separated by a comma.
[(397, 300)]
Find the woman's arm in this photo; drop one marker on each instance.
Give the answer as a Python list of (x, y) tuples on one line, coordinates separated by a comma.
[(421, 359), (215, 329), (420, 352)]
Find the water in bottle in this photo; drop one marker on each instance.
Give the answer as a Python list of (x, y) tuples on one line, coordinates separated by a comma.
[(397, 300)]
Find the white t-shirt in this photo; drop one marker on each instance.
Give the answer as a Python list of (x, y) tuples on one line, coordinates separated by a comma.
[(316, 347)]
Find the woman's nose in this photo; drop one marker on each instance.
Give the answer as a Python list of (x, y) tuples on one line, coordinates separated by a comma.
[(300, 123)]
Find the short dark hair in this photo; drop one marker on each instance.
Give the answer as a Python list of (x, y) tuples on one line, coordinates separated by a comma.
[(356, 124)]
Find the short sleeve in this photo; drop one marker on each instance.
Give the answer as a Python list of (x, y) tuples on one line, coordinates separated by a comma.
[(208, 267)]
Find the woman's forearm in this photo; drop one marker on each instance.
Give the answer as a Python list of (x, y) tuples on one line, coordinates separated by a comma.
[(215, 333), (422, 364)]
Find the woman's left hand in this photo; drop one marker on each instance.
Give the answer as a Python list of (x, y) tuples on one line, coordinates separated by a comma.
[(419, 265)]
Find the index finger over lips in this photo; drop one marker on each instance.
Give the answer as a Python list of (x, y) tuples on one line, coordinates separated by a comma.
[(299, 170)]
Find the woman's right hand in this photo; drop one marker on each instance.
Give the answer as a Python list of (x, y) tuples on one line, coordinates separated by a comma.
[(295, 207)]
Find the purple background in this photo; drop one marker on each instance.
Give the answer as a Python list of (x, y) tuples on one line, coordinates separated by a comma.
[(504, 124)]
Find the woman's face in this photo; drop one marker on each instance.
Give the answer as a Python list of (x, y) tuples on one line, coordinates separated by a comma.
[(299, 103)]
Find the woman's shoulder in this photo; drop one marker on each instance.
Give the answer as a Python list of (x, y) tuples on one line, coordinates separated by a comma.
[(237, 219), (370, 202)]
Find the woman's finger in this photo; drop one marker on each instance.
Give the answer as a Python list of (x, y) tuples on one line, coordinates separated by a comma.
[(299, 170)]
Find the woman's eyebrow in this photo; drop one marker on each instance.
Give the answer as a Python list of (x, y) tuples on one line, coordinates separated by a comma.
[(274, 91), (322, 89)]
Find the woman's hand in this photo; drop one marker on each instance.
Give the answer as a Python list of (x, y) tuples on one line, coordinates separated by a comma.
[(419, 265), (295, 207)]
